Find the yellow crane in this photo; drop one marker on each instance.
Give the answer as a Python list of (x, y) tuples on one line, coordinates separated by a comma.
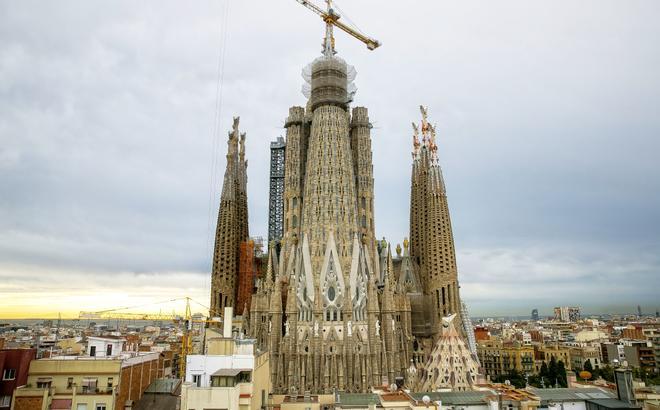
[(186, 320), (331, 18)]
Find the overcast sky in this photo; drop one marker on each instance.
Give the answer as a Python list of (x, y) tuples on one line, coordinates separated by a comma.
[(548, 117)]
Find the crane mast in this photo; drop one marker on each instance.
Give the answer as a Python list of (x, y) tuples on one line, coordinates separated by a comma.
[(331, 18)]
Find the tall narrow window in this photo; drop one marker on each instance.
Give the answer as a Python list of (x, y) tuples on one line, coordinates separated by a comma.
[(9, 374), (449, 295)]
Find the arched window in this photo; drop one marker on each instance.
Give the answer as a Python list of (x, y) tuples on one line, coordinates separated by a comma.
[(294, 222)]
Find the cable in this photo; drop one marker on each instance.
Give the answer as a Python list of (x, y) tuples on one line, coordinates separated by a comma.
[(215, 136), (343, 14)]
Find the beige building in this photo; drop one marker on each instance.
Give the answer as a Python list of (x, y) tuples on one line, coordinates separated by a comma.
[(546, 353), (86, 383), (590, 335), (71, 346), (580, 354), (231, 375), (498, 358)]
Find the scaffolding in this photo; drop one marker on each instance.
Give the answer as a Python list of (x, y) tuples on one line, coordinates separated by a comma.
[(246, 276), (276, 197)]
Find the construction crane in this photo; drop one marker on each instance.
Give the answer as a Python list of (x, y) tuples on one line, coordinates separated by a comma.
[(331, 18), (186, 320)]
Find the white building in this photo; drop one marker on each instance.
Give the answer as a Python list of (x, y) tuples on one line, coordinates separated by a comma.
[(105, 346), (230, 375)]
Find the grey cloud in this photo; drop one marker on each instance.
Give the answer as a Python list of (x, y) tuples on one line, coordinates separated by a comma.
[(546, 115)]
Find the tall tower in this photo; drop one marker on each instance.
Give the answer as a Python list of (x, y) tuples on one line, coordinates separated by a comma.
[(276, 194), (431, 238), (232, 227), (330, 315)]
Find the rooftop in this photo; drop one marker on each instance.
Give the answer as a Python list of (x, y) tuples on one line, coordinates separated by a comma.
[(357, 399), (455, 398), (614, 404), (567, 394), (163, 386)]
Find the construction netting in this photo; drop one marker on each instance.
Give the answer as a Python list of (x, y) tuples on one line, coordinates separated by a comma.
[(329, 80)]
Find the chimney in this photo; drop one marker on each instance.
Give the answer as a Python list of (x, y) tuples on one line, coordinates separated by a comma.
[(226, 328), (624, 387)]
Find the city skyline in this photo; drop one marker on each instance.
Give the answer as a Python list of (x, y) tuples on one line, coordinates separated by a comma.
[(546, 135)]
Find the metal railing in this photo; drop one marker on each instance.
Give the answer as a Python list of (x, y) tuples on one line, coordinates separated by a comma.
[(93, 390)]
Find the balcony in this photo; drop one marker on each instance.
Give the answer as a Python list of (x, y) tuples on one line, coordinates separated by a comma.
[(93, 390)]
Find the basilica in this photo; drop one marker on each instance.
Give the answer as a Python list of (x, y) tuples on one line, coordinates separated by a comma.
[(335, 307)]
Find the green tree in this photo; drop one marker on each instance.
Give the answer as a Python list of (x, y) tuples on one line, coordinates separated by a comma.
[(588, 367), (561, 374), (544, 370), (607, 373), (535, 380), (553, 371), (515, 377)]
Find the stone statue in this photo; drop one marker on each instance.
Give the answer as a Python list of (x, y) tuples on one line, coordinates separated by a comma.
[(424, 112), (377, 327), (349, 326), (316, 328), (242, 143), (270, 326), (235, 124), (286, 328)]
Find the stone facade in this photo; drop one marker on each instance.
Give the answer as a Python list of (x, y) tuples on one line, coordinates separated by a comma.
[(232, 227), (431, 238), (334, 307), (451, 364)]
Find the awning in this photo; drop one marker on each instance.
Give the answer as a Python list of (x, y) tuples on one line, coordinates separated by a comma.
[(62, 404), (89, 381), (230, 372), (44, 379)]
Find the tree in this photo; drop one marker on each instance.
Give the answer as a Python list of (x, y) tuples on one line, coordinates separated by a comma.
[(587, 366), (544, 370), (515, 377), (535, 380), (553, 371), (585, 375), (607, 373), (561, 374)]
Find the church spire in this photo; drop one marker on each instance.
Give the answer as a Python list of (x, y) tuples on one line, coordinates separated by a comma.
[(432, 242), (232, 228)]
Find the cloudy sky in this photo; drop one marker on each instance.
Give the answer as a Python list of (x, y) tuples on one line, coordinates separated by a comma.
[(112, 118)]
